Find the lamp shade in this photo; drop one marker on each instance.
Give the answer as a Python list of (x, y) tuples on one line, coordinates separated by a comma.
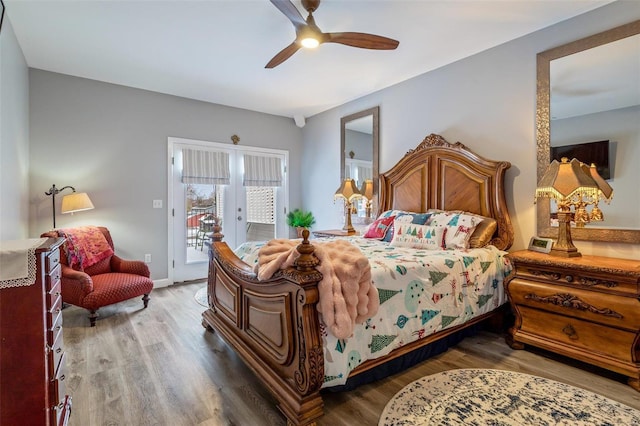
[(606, 191), (348, 190), (76, 202), (367, 189), (564, 179)]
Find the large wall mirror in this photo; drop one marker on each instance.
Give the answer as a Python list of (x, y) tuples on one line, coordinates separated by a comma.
[(359, 149), (589, 91)]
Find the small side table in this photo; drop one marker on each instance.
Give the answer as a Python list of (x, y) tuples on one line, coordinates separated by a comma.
[(333, 233)]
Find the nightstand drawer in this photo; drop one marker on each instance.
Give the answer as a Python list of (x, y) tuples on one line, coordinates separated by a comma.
[(580, 279), (558, 330), (611, 310)]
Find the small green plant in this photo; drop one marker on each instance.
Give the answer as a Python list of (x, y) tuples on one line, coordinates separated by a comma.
[(298, 218)]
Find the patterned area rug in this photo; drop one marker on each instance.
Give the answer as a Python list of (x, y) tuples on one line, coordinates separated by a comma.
[(201, 297), (497, 397)]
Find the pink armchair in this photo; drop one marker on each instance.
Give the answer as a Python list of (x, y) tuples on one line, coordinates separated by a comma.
[(110, 280)]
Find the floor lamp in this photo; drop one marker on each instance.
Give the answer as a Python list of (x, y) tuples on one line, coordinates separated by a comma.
[(74, 202)]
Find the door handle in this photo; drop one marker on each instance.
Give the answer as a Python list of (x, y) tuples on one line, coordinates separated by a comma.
[(239, 217)]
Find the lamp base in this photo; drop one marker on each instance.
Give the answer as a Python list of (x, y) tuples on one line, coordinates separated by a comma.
[(351, 231), (564, 247), (565, 252), (348, 227)]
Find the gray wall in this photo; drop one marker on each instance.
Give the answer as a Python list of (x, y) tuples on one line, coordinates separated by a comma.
[(487, 102), (111, 142), (14, 137)]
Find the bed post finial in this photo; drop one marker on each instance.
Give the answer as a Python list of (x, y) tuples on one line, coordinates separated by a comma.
[(216, 236), (307, 260)]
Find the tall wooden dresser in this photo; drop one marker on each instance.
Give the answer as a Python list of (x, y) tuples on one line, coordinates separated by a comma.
[(32, 361)]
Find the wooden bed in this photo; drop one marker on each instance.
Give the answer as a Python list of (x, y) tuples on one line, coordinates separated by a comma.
[(273, 325)]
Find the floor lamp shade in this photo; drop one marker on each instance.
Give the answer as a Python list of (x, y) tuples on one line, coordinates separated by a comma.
[(76, 202)]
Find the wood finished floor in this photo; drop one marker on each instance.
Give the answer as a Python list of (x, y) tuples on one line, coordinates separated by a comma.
[(158, 366)]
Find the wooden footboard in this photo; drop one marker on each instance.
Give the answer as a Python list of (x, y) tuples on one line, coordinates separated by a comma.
[(272, 325)]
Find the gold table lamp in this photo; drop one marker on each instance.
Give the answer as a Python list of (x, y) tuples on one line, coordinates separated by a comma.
[(349, 191), (572, 184), (367, 193)]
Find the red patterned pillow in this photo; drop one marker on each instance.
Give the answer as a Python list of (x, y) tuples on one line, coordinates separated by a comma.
[(378, 229)]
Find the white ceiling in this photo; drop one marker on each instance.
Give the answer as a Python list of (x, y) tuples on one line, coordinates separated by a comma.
[(216, 50)]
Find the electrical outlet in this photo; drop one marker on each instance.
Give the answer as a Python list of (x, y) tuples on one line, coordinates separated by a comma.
[(147, 258), (157, 204)]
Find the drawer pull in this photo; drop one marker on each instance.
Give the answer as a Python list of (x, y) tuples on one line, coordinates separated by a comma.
[(62, 378), (570, 332), (569, 278), (58, 350)]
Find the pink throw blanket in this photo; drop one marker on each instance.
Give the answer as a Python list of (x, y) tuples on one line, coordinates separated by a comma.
[(85, 246), (347, 294)]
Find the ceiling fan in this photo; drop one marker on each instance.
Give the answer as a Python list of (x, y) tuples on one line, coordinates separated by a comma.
[(309, 35)]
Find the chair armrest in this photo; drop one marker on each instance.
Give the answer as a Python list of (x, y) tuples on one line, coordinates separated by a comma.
[(85, 281), (136, 267)]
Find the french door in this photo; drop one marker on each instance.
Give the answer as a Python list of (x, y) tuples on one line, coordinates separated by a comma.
[(247, 210)]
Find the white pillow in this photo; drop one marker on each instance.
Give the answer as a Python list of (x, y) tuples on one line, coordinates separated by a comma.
[(418, 236), (459, 227)]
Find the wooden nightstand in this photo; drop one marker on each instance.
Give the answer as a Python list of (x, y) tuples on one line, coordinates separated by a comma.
[(585, 308), (333, 233)]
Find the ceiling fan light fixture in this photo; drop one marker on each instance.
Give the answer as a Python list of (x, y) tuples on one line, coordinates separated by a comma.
[(309, 42)]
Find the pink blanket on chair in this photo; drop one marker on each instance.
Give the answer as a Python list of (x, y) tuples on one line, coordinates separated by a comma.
[(85, 246), (347, 294)]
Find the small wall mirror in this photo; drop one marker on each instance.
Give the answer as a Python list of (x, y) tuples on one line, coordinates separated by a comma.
[(589, 91), (359, 151)]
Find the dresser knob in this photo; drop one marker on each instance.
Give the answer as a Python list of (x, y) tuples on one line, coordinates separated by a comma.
[(569, 278), (570, 332)]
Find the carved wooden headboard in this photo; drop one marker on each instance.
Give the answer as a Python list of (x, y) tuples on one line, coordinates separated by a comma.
[(440, 175)]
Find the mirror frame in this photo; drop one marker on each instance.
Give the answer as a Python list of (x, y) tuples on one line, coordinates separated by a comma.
[(543, 135), (375, 112)]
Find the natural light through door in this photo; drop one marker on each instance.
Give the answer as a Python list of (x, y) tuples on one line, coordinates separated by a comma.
[(244, 189)]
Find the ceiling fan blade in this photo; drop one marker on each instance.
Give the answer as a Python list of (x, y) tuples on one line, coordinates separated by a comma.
[(290, 11), (362, 40), (283, 55)]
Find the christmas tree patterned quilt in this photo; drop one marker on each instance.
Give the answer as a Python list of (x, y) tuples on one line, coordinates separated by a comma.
[(421, 292)]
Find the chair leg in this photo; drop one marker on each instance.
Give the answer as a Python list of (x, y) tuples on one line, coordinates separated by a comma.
[(93, 316), (145, 300)]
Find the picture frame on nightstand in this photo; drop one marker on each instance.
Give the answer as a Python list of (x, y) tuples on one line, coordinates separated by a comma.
[(542, 245)]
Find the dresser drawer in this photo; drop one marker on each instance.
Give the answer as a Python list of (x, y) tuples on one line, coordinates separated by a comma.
[(57, 385), (581, 278), (53, 310), (61, 412), (52, 260), (55, 354), (608, 309), (583, 335), (54, 331), (53, 294), (53, 277)]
